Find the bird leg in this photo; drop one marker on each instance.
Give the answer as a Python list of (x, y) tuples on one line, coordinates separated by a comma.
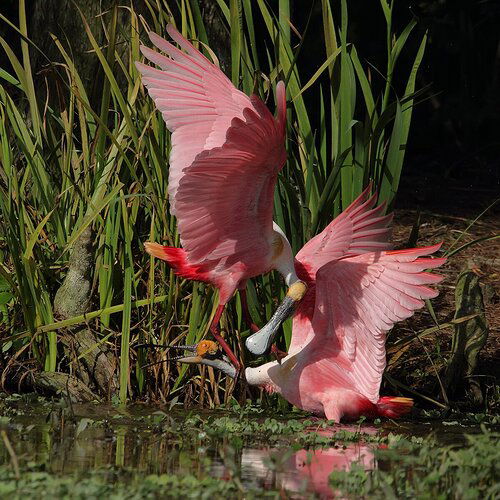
[(332, 411), (215, 330), (246, 312)]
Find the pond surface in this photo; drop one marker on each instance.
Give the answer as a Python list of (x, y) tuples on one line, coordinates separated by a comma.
[(138, 441)]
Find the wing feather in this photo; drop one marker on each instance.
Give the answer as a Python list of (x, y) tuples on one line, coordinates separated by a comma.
[(359, 229), (360, 298), (197, 101), (225, 198), (227, 149)]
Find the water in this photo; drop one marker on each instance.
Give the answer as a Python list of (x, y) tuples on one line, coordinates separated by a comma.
[(143, 440)]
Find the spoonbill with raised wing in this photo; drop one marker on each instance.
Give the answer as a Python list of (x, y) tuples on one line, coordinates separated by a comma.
[(227, 150)]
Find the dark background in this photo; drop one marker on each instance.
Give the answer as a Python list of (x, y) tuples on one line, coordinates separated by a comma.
[(453, 152)]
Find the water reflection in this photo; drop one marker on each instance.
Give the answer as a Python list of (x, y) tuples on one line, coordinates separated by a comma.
[(304, 470), (81, 445), (314, 467)]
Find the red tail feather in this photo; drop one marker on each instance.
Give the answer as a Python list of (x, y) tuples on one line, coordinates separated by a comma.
[(394, 407), (177, 260)]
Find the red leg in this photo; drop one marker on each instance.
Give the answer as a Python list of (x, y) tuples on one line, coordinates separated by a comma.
[(246, 313), (214, 329)]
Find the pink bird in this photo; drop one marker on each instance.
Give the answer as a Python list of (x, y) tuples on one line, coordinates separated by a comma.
[(227, 150), (356, 291)]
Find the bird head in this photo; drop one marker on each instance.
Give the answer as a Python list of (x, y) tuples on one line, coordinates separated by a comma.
[(206, 353)]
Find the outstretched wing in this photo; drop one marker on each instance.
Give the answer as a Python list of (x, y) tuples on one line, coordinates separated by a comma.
[(358, 299), (360, 228), (225, 198), (198, 102)]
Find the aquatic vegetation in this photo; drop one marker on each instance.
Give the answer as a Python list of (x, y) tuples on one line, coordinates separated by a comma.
[(422, 468), (117, 484), (91, 451), (297, 433), (461, 418)]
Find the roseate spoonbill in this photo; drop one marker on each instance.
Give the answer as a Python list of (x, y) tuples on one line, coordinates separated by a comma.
[(227, 150), (354, 296)]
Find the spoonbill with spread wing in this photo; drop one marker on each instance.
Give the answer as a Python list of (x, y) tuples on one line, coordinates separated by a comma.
[(227, 150), (356, 291)]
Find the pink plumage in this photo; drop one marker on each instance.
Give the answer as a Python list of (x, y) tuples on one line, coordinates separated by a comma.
[(355, 295), (227, 150)]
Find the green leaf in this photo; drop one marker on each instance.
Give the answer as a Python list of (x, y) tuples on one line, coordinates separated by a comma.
[(5, 297), (235, 12)]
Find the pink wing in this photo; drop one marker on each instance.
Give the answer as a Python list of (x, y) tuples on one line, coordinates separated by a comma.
[(198, 102), (225, 198), (358, 229), (358, 299)]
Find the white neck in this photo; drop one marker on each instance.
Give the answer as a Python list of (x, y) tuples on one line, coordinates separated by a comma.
[(260, 375), (284, 262)]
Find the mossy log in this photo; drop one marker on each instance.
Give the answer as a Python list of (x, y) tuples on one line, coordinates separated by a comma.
[(65, 385), (97, 365)]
